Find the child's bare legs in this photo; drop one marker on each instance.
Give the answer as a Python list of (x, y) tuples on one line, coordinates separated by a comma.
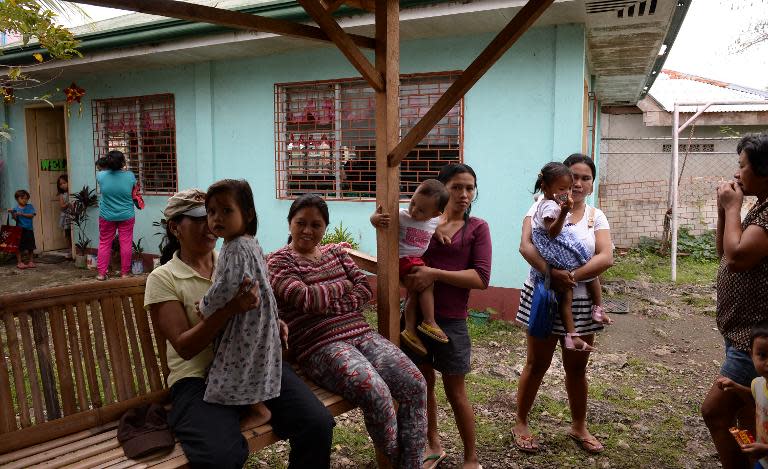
[(572, 342), (20, 260), (260, 414), (409, 335), (428, 324), (596, 294)]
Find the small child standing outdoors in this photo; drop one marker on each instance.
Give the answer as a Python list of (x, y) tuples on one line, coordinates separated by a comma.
[(65, 221), (23, 213), (247, 366), (417, 225), (755, 395), (560, 247)]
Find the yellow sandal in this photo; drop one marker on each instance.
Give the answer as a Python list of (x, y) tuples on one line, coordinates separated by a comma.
[(413, 342), (433, 332)]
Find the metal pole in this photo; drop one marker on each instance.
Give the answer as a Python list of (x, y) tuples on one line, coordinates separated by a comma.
[(694, 117), (675, 177)]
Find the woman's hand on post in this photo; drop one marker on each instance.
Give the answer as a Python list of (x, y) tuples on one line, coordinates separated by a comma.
[(561, 280), (419, 279)]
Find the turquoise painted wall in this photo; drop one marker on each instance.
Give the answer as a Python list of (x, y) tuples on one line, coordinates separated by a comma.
[(526, 111)]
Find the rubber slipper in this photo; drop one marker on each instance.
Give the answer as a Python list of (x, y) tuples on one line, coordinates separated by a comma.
[(433, 332), (569, 345), (21, 266), (437, 458), (591, 445), (599, 315), (526, 443), (413, 342)]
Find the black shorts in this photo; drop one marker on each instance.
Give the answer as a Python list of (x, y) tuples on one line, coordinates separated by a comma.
[(452, 358), (27, 242)]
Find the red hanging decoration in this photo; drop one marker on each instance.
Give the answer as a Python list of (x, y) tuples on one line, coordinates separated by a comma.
[(7, 93), (74, 94)]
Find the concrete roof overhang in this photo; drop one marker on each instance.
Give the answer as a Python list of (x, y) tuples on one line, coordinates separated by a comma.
[(623, 45)]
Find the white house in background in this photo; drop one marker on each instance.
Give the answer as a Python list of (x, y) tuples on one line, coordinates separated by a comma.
[(636, 152)]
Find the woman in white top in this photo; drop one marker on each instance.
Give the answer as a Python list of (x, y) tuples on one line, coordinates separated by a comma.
[(593, 230)]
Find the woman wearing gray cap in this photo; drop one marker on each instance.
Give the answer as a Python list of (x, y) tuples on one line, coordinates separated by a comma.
[(210, 433)]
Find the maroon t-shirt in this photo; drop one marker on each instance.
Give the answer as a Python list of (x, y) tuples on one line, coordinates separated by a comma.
[(470, 248)]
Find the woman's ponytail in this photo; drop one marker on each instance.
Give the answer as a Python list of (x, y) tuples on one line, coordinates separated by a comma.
[(169, 246)]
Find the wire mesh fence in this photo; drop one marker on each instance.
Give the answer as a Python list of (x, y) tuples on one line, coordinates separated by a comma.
[(635, 183)]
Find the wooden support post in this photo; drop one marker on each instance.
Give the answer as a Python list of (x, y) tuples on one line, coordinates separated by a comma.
[(492, 53), (345, 44), (222, 17), (387, 177)]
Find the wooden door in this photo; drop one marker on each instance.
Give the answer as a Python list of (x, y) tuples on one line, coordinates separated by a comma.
[(47, 149)]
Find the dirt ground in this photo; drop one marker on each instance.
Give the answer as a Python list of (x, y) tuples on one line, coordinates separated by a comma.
[(651, 371)]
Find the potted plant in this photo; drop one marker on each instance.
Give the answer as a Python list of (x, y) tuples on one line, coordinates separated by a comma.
[(81, 248), (78, 214), (137, 265), (162, 226)]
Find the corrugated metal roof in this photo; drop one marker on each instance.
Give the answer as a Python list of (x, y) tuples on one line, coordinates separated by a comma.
[(623, 38), (671, 87), (130, 20)]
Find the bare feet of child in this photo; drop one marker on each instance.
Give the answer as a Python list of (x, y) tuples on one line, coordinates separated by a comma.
[(433, 331), (260, 414)]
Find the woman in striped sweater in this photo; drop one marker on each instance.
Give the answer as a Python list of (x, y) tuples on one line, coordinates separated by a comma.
[(320, 293)]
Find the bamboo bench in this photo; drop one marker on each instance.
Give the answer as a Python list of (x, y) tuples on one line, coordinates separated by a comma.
[(73, 360)]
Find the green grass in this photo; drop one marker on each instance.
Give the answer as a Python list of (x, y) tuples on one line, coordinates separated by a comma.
[(657, 269), (502, 332), (355, 441), (481, 387)]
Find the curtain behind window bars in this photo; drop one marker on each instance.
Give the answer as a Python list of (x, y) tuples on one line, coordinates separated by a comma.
[(325, 136), (144, 129)]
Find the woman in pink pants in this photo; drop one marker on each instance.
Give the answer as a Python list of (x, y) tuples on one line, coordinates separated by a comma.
[(115, 212)]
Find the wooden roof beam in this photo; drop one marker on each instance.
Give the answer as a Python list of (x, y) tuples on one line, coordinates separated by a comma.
[(345, 44), (332, 5), (367, 5), (489, 56), (228, 18)]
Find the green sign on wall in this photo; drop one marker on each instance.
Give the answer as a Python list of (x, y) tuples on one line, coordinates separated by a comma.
[(53, 165)]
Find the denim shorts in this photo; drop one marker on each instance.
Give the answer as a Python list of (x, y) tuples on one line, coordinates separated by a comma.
[(452, 358), (738, 365)]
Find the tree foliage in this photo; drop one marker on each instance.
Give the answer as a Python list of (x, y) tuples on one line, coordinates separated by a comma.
[(756, 30), (36, 19)]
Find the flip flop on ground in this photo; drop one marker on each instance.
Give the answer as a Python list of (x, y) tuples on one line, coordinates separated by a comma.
[(590, 444), (525, 443), (437, 458)]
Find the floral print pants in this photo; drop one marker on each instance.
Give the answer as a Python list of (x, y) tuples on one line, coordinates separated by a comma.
[(370, 372)]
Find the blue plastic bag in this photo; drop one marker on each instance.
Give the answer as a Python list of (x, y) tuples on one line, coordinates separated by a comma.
[(543, 309)]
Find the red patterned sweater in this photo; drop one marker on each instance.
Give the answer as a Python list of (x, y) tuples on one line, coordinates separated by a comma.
[(312, 299)]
